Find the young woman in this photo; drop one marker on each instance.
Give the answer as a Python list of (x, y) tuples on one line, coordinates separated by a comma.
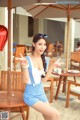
[(34, 67)]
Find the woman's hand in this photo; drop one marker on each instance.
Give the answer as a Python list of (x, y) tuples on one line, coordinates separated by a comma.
[(23, 61), (53, 64), (24, 68)]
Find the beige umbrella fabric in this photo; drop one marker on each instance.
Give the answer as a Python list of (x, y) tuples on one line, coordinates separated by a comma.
[(47, 10), (20, 3)]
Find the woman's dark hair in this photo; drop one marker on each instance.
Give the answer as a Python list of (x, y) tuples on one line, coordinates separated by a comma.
[(36, 38)]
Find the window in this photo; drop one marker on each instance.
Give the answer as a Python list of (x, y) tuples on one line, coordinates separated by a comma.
[(30, 26)]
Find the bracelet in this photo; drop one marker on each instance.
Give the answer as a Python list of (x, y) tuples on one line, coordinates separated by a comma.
[(24, 67)]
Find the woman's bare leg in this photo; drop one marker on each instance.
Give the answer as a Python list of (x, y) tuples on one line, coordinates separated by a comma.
[(48, 112), (45, 117)]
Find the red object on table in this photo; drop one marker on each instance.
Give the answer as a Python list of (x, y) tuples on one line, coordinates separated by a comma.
[(3, 36)]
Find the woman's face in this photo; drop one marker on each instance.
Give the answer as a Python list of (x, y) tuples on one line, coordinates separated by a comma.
[(40, 46)]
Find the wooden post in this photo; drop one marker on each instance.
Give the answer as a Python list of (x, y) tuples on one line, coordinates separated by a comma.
[(9, 48), (68, 37)]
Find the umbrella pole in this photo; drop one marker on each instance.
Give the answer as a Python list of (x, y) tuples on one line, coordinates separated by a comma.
[(9, 49), (67, 43)]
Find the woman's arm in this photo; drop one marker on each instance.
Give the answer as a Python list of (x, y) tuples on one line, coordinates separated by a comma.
[(52, 65), (24, 68), (25, 74)]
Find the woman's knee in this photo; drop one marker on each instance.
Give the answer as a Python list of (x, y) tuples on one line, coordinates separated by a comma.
[(53, 115), (56, 115)]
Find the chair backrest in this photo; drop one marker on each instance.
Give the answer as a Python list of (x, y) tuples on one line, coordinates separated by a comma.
[(73, 89), (50, 50), (20, 49), (16, 80), (50, 47), (75, 56)]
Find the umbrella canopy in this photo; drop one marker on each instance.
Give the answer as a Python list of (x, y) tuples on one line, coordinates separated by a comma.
[(19, 3), (51, 10)]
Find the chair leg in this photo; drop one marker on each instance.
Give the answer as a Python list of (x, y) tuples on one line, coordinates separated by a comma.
[(51, 91), (56, 80), (27, 116), (51, 96), (14, 66), (58, 89), (23, 114)]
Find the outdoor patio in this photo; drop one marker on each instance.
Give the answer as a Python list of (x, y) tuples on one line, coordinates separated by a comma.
[(73, 111)]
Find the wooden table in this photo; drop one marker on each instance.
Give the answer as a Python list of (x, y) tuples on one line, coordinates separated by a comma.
[(63, 77), (13, 100)]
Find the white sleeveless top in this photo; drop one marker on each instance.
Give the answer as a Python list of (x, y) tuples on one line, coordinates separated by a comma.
[(36, 73)]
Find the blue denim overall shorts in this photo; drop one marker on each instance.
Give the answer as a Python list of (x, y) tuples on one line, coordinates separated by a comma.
[(33, 92)]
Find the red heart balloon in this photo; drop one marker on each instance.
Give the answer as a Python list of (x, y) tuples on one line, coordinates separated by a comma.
[(3, 36)]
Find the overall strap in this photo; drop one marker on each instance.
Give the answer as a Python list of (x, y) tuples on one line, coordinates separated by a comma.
[(30, 71)]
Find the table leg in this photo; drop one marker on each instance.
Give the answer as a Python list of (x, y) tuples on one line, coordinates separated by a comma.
[(58, 88), (74, 79), (64, 84)]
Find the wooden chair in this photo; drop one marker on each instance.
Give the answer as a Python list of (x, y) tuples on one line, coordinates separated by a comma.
[(50, 50), (29, 49), (20, 49), (75, 60), (75, 91), (49, 86), (16, 81), (16, 85)]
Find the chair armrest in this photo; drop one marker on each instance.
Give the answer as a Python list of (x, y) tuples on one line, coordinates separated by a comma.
[(50, 80), (73, 83)]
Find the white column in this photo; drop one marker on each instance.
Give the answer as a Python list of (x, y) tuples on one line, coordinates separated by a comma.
[(65, 38), (40, 29), (72, 24), (71, 42), (11, 39), (5, 51)]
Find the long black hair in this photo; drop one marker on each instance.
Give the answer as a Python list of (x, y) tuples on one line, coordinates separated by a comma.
[(36, 38)]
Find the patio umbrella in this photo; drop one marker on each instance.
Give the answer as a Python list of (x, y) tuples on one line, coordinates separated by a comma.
[(57, 10)]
